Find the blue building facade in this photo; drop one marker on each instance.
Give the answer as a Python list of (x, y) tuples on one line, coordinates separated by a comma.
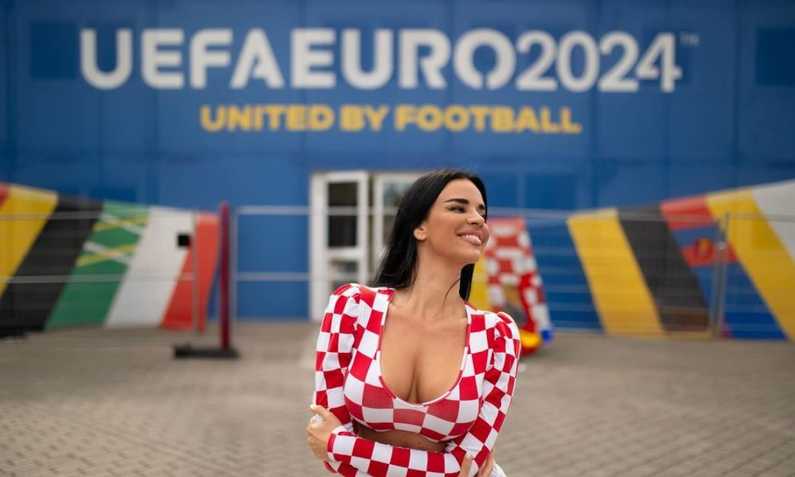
[(562, 105)]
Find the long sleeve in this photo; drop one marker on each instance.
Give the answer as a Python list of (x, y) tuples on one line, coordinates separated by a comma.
[(334, 344), (381, 460)]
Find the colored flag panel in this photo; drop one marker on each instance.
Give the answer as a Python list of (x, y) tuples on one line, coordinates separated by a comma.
[(675, 289), (49, 263), (696, 233), (745, 313), (180, 315), (153, 272), (568, 296), (763, 256), (100, 267), (23, 215), (777, 203), (621, 295), (479, 295), (4, 190)]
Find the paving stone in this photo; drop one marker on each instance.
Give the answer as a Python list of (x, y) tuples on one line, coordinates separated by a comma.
[(115, 403)]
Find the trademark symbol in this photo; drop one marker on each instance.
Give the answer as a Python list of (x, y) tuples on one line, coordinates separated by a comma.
[(689, 40)]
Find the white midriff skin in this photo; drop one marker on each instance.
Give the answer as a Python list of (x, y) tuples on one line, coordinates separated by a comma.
[(423, 342)]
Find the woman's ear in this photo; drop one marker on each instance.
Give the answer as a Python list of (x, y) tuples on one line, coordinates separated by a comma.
[(419, 233)]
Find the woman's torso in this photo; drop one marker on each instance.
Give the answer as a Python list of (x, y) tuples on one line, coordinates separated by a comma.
[(406, 384), (412, 440), (421, 360)]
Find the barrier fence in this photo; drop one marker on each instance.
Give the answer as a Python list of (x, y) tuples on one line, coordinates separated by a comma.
[(625, 272), (114, 266)]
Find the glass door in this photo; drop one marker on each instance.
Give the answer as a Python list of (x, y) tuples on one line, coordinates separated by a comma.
[(346, 240), (388, 189), (339, 228)]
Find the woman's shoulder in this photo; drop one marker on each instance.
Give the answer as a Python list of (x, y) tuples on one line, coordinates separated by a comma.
[(349, 290), (348, 301), (501, 322)]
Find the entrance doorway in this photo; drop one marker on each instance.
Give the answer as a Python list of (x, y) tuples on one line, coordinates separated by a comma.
[(352, 216)]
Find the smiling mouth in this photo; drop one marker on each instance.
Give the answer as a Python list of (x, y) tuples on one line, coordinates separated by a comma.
[(473, 239)]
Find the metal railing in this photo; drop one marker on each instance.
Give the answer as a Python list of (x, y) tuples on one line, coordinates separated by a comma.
[(726, 277), (691, 276)]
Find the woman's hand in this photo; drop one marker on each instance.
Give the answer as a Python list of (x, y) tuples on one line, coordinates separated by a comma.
[(319, 430), (485, 471), (466, 466)]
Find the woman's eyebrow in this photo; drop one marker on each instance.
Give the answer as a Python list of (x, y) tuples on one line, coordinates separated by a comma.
[(464, 202)]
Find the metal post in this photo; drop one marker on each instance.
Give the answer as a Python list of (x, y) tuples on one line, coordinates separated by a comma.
[(233, 244), (225, 350), (223, 288), (721, 253), (194, 247)]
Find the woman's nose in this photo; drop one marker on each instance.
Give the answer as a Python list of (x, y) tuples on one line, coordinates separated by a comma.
[(477, 219)]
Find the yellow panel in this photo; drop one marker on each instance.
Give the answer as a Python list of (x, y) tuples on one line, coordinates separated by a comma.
[(18, 234), (622, 299), (762, 254), (479, 295)]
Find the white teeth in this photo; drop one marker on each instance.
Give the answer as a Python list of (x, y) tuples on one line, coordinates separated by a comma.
[(473, 239)]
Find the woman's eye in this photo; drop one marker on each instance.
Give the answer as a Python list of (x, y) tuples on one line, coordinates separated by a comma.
[(457, 208)]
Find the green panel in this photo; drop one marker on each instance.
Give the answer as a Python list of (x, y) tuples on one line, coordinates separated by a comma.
[(87, 303)]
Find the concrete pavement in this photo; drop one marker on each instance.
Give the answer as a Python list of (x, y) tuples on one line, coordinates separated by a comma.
[(115, 402)]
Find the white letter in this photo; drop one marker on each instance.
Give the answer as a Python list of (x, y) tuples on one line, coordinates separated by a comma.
[(88, 59), (303, 58), (410, 41), (152, 59), (200, 58), (351, 59), (256, 48), (505, 58)]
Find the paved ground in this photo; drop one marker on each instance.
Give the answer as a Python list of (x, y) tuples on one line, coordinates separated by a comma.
[(116, 403)]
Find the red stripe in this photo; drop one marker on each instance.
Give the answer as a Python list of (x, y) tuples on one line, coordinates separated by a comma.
[(4, 191), (179, 315), (687, 213), (690, 213)]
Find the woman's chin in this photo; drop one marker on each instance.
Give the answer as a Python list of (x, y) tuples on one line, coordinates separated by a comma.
[(464, 257), (470, 258)]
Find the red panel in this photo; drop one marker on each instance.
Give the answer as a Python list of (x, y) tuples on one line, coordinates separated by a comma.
[(690, 213), (695, 259), (4, 190), (179, 315), (686, 213)]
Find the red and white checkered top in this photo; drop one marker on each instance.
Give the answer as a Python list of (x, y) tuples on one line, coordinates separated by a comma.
[(348, 382)]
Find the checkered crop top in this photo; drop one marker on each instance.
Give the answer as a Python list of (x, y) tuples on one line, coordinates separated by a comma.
[(348, 382)]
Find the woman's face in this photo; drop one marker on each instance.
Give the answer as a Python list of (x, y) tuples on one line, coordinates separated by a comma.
[(455, 226)]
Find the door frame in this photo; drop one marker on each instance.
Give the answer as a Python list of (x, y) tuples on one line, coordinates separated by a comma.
[(320, 253)]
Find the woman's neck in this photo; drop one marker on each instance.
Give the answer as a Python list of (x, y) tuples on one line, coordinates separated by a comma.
[(434, 291)]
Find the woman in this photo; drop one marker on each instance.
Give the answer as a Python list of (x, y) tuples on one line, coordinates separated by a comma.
[(395, 397)]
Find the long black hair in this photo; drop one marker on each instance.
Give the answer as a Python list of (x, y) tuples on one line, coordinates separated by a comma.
[(398, 268)]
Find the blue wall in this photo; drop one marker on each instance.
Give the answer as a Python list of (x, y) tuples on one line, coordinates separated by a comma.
[(728, 122)]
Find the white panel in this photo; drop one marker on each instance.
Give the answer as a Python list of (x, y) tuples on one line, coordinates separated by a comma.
[(777, 202), (150, 279)]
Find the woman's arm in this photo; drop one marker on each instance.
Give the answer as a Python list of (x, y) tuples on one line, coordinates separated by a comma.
[(334, 345), (376, 459)]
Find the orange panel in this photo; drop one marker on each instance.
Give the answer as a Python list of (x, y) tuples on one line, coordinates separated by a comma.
[(179, 315)]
